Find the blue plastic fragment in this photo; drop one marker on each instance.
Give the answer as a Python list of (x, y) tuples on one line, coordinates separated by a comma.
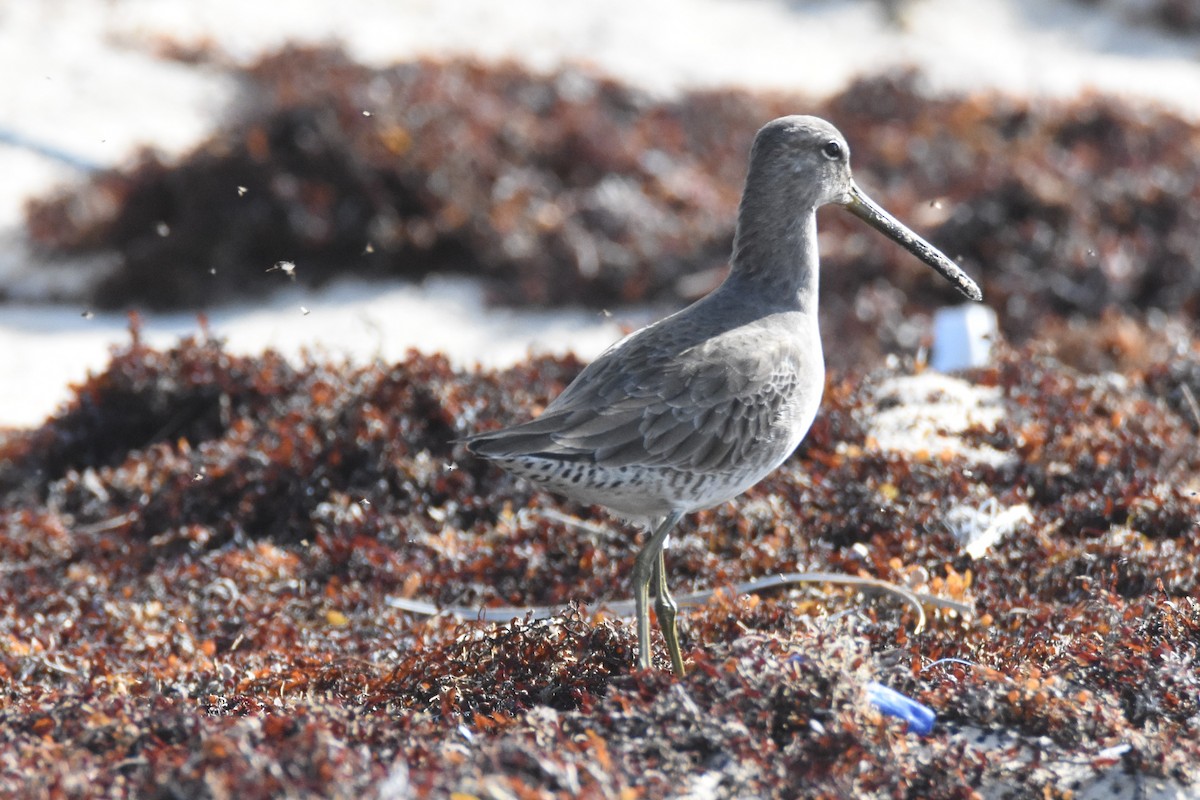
[(920, 718)]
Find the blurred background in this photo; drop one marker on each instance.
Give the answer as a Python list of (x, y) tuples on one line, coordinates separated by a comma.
[(484, 179)]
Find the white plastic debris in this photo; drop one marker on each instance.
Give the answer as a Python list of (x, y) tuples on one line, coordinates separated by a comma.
[(963, 336), (978, 529)]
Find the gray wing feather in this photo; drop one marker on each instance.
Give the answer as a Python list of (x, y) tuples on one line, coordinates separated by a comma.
[(651, 407)]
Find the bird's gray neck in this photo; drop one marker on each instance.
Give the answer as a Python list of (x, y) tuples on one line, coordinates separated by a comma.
[(775, 253)]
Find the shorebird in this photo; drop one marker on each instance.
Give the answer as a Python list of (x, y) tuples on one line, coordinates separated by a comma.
[(691, 411)]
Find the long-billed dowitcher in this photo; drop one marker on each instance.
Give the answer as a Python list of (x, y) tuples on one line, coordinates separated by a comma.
[(693, 410)]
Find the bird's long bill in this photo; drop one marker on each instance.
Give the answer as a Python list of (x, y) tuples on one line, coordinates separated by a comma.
[(865, 209)]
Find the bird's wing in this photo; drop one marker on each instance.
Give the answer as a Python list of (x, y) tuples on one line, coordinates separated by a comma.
[(699, 409)]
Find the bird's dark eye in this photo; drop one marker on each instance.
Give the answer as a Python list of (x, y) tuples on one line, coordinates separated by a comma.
[(832, 151)]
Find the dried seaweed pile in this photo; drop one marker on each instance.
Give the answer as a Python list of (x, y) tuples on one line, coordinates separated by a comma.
[(575, 188), (197, 555), (563, 187)]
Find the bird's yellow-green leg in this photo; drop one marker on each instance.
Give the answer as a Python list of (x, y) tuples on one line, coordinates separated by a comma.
[(644, 567), (667, 610)]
